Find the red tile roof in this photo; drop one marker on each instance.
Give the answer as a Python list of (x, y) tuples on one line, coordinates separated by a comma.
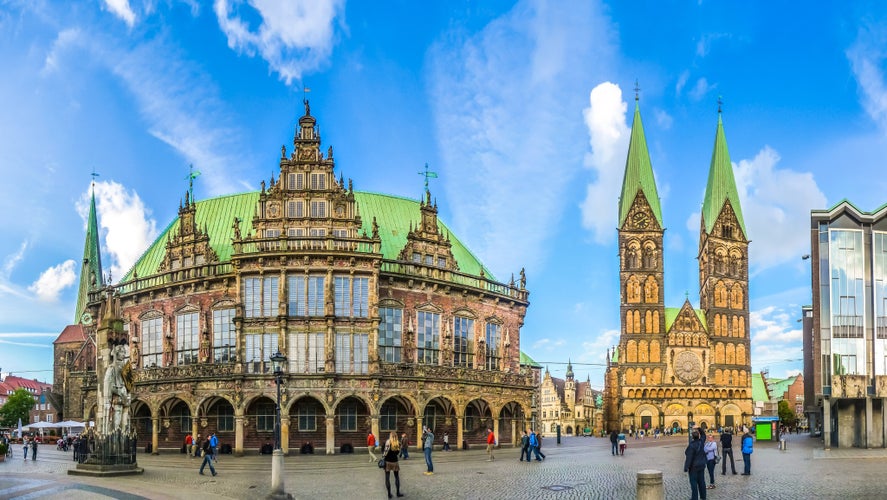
[(71, 333), (33, 386)]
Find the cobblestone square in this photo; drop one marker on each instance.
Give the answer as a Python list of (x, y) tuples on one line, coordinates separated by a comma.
[(578, 468)]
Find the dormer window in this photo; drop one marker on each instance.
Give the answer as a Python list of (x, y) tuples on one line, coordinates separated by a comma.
[(429, 260), (417, 257), (318, 181), (441, 262), (295, 182)]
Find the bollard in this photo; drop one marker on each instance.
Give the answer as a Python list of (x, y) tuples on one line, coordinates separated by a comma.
[(649, 485)]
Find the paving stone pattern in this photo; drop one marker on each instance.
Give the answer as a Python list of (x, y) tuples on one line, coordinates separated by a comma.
[(580, 468)]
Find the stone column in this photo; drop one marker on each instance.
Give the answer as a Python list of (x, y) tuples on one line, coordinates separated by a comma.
[(285, 434), (419, 433), (155, 435), (884, 423), (194, 431), (496, 428), (827, 422), (375, 428), (868, 422), (459, 433), (238, 435), (330, 435), (513, 433)]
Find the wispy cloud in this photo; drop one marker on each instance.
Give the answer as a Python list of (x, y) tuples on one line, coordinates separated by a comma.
[(126, 224), (293, 37), (608, 135), (682, 81), (867, 56), (24, 344), (122, 9), (12, 260), (701, 88), (663, 119), (53, 280), (507, 103), (27, 335), (703, 46)]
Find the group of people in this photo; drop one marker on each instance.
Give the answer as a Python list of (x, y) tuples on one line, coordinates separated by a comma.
[(29, 443), (208, 448), (700, 456), (530, 442)]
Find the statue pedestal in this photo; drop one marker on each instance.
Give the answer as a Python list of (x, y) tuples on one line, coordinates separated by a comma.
[(109, 456)]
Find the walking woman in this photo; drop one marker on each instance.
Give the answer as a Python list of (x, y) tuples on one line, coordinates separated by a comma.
[(392, 449), (711, 452)]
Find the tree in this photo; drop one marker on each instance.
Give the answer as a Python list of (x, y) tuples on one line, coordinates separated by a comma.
[(17, 407), (787, 414)]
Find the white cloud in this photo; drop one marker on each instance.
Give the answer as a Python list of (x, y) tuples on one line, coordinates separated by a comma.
[(12, 260), (663, 119), (700, 89), (53, 280), (776, 207), (506, 104), (125, 222), (295, 36), (596, 349), (866, 56), (703, 46), (773, 324), (176, 99), (682, 81), (121, 9), (608, 134)]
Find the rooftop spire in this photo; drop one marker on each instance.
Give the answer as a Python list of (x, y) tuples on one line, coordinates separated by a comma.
[(569, 369), (91, 269), (638, 172), (721, 184)]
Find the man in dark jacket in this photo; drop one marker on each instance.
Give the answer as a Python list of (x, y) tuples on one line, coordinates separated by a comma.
[(727, 446), (694, 466), (614, 438), (525, 446)]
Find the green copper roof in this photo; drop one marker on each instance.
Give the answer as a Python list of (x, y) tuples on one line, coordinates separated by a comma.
[(91, 268), (721, 185), (393, 215), (758, 388), (526, 360), (638, 173), (778, 387), (671, 313)]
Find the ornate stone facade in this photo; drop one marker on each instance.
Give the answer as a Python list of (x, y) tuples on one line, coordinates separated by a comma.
[(676, 366), (388, 322), (574, 406)]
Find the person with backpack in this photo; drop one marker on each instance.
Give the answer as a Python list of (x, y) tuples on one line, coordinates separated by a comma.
[(747, 449), (694, 466), (525, 446), (207, 457)]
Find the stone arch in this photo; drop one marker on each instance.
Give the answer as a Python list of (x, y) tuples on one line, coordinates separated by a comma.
[(720, 294), (720, 261), (644, 394), (352, 418), (651, 290), (675, 409), (696, 394), (740, 354), (259, 421), (478, 417), (633, 290), (731, 354), (724, 330), (737, 297), (643, 351), (741, 332), (716, 327), (719, 377), (683, 394), (631, 351), (648, 321), (307, 415), (175, 422), (633, 255), (655, 351), (631, 394), (396, 414), (636, 320), (629, 322), (736, 267), (719, 353), (216, 414), (512, 420), (651, 255), (141, 413)]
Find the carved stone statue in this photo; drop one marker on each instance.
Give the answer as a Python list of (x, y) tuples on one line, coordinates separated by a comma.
[(134, 355), (205, 345), (523, 279), (116, 391)]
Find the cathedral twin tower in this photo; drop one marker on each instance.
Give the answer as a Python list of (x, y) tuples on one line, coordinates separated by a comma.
[(674, 366)]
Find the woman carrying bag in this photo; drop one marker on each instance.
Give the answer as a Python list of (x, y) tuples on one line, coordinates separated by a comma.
[(392, 449)]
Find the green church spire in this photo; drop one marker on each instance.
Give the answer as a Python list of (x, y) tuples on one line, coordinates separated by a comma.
[(721, 184), (91, 269), (638, 172)]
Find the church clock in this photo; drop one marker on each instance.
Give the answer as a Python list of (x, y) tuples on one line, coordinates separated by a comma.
[(640, 220)]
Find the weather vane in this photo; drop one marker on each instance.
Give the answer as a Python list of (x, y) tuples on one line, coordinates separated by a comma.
[(192, 174), (93, 175), (637, 89), (428, 175), (720, 102)]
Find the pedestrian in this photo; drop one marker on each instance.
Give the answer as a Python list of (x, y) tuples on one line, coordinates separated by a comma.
[(446, 441), (371, 446), (621, 439), (525, 446), (747, 449), (491, 442), (694, 466), (197, 442), (76, 445), (25, 449), (34, 450), (539, 447), (405, 446), (614, 442), (189, 445), (427, 443), (711, 452), (207, 457), (727, 448), (392, 449), (214, 446)]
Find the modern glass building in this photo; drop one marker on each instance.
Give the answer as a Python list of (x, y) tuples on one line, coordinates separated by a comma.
[(846, 345)]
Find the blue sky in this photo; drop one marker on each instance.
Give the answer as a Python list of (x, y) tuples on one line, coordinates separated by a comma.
[(522, 108)]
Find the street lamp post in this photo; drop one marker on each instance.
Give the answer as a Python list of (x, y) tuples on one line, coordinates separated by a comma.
[(278, 362)]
